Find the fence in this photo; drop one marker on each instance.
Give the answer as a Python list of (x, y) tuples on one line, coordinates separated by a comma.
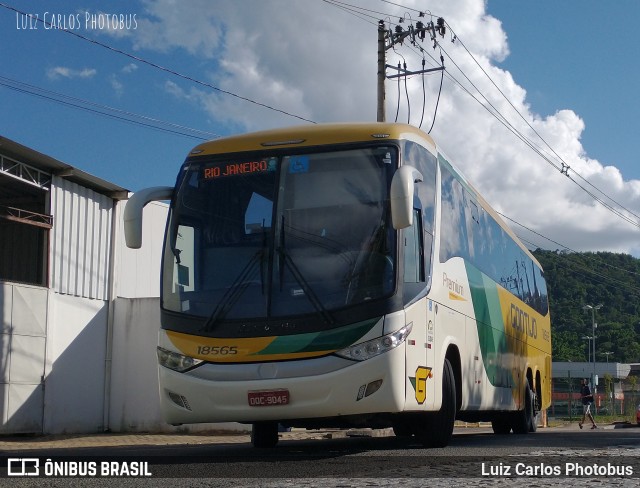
[(611, 399)]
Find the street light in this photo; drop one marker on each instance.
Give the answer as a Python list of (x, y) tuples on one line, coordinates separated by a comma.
[(588, 339), (607, 353), (593, 329)]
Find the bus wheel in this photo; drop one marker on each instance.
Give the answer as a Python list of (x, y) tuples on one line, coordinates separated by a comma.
[(524, 419), (402, 428), (533, 426), (501, 425), (264, 434), (436, 429)]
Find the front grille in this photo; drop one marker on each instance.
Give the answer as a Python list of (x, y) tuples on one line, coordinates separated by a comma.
[(179, 400)]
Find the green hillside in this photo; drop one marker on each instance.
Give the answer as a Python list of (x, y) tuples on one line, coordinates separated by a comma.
[(578, 279)]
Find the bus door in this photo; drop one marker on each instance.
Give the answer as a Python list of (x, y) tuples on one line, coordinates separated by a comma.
[(430, 347), (477, 374), (417, 369), (419, 357)]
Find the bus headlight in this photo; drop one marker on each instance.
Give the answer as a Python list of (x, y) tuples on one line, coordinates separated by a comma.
[(375, 347), (176, 361)]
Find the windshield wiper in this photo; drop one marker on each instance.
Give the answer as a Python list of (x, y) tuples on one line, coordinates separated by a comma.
[(238, 287), (234, 292), (285, 259)]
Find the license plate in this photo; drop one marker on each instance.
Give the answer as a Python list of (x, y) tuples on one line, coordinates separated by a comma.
[(268, 398)]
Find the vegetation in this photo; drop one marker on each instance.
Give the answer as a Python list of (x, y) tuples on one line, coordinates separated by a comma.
[(578, 279)]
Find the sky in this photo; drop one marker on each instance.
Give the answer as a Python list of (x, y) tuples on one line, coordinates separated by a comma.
[(560, 75)]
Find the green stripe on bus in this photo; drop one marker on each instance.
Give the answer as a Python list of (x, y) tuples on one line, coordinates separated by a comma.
[(490, 326), (330, 340)]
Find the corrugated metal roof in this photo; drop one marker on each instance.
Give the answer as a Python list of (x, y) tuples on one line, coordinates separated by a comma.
[(46, 163)]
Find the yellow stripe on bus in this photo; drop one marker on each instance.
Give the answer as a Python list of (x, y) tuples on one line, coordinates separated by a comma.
[(454, 296), (233, 350)]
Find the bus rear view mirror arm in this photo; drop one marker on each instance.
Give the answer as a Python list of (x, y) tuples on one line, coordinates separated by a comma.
[(133, 212), (401, 195)]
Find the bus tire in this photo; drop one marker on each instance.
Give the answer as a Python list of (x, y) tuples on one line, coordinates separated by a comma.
[(501, 425), (533, 426), (436, 429), (524, 419), (264, 434), (402, 428)]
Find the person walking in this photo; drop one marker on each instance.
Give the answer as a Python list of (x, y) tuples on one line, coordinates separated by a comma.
[(587, 399)]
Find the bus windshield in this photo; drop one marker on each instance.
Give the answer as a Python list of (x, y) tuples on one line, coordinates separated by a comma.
[(272, 236)]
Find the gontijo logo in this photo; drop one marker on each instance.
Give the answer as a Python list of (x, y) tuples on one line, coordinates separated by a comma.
[(522, 322)]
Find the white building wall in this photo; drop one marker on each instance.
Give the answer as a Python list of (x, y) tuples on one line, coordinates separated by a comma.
[(138, 270), (78, 305), (80, 240), (23, 331), (134, 377), (75, 371), (96, 352), (134, 405)]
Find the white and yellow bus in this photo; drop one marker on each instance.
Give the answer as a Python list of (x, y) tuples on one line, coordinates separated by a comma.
[(344, 275)]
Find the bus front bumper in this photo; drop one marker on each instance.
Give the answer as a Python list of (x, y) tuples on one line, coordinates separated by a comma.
[(187, 399)]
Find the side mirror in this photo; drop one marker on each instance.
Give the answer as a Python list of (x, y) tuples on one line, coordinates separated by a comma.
[(133, 212), (401, 196)]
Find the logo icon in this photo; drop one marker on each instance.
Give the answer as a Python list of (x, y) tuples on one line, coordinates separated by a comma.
[(419, 383), (23, 467)]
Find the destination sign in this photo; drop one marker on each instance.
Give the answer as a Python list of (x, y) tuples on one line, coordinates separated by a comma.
[(234, 169)]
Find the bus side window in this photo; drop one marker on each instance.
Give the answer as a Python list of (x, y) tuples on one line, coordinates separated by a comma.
[(427, 252), (414, 250), (185, 257)]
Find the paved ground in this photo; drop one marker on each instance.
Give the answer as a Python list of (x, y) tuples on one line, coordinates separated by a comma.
[(25, 442), (15, 443)]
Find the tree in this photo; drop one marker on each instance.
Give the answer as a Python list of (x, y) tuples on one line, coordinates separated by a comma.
[(576, 279)]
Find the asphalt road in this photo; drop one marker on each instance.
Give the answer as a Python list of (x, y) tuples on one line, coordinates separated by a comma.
[(475, 457)]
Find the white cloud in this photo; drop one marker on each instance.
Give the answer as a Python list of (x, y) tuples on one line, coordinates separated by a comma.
[(117, 85), (194, 26), (64, 72), (319, 62), (129, 68), (115, 81)]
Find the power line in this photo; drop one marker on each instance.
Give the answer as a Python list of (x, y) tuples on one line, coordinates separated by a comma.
[(580, 270), (422, 12), (563, 169), (518, 134), (565, 166), (157, 66), (105, 110), (563, 246), (498, 115), (538, 150), (347, 8), (356, 8), (359, 12), (493, 111)]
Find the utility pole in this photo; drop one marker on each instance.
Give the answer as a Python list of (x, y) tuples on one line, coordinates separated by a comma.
[(382, 33), (387, 39), (594, 325)]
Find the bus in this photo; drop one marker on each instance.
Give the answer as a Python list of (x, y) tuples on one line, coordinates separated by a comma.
[(343, 275)]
